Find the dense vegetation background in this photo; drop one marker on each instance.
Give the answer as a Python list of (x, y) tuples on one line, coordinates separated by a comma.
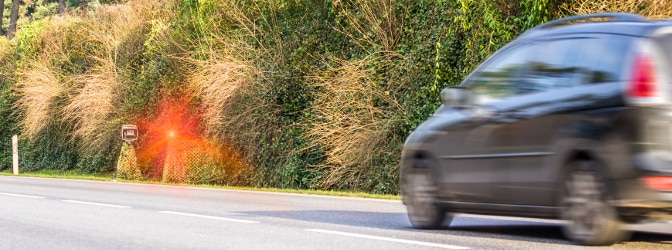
[(277, 93)]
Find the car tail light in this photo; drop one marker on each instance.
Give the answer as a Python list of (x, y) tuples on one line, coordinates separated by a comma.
[(661, 183), (643, 82)]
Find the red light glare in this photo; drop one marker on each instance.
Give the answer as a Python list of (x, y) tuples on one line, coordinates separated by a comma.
[(172, 145), (170, 134)]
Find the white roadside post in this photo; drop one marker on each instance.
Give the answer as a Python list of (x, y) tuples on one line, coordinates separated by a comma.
[(15, 154)]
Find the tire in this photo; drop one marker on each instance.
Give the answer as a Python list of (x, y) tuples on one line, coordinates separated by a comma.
[(422, 208), (591, 220)]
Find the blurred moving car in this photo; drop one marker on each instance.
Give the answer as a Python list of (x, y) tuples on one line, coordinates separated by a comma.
[(569, 121)]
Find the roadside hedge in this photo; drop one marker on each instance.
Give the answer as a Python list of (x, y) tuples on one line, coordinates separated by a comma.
[(305, 94)]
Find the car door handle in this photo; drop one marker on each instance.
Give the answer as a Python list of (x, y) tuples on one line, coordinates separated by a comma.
[(487, 114), (482, 114), (508, 117)]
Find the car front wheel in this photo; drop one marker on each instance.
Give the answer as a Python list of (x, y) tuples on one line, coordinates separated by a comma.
[(420, 191)]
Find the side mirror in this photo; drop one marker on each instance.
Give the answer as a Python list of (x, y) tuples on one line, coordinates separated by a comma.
[(454, 96)]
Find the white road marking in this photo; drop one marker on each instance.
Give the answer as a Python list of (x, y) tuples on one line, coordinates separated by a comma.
[(96, 204), (210, 217), (364, 236), (23, 195)]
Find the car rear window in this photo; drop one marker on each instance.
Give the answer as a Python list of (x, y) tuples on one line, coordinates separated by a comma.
[(604, 58)]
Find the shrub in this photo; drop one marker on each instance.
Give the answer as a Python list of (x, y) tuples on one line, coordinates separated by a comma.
[(127, 164)]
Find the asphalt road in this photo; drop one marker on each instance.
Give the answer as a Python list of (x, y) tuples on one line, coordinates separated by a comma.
[(65, 214)]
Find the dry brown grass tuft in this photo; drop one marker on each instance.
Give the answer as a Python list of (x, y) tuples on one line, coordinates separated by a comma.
[(119, 21), (217, 81), (90, 99), (6, 49), (252, 23), (93, 107), (42, 81), (224, 77), (93, 110), (231, 91), (375, 22), (39, 88), (226, 74), (353, 117), (649, 8), (7, 61)]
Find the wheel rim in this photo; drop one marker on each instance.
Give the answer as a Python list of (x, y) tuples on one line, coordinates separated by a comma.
[(422, 207), (583, 203)]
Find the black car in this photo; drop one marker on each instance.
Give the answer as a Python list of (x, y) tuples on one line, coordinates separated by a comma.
[(571, 120)]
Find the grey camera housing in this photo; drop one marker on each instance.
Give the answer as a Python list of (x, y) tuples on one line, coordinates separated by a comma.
[(129, 133)]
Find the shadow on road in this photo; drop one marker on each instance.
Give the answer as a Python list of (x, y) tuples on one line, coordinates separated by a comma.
[(506, 229), (542, 233), (652, 238), (477, 227), (349, 218), (533, 231)]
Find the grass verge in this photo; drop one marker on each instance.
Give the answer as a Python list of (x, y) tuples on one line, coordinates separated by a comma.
[(62, 174), (75, 175)]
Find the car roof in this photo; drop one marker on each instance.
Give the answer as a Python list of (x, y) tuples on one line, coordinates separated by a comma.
[(607, 23), (615, 23)]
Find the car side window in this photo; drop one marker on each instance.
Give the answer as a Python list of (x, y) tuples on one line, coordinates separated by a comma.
[(497, 79), (554, 64)]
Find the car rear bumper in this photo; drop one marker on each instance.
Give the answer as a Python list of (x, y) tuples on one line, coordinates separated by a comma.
[(640, 210), (637, 201)]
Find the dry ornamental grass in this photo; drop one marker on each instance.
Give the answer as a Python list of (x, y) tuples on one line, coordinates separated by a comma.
[(353, 118), (648, 8), (39, 88)]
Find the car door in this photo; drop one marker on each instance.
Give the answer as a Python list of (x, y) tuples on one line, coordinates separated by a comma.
[(470, 163), (569, 75), (534, 121)]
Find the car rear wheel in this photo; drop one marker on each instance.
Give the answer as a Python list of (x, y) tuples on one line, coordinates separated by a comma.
[(590, 219), (420, 191)]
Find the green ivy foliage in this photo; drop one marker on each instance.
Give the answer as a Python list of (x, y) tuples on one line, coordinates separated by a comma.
[(51, 149), (8, 117)]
